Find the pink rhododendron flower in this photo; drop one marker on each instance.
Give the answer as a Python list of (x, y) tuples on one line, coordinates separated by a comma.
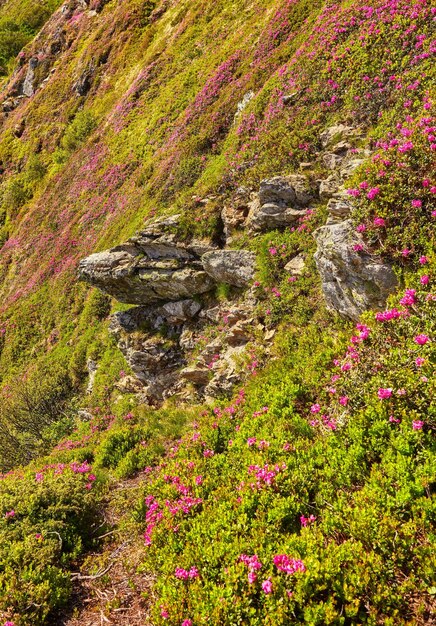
[(394, 420), (417, 204), (423, 260), (361, 228), (267, 586), (421, 340), (10, 514), (315, 408), (409, 297), (417, 424), (343, 400), (164, 613), (383, 394), (372, 193), (419, 361), (187, 622), (405, 252), (424, 280), (272, 251), (252, 562), (252, 577), (353, 192), (287, 564), (379, 221)]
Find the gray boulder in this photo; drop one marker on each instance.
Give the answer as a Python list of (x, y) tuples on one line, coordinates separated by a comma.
[(352, 281), (149, 267), (280, 202), (329, 187), (334, 133), (291, 191), (340, 206), (235, 267), (296, 265)]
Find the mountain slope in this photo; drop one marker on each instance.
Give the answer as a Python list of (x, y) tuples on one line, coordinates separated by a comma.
[(119, 113)]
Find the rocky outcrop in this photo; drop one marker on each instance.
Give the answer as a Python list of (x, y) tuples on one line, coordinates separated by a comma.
[(280, 202), (336, 133), (160, 337), (353, 280), (235, 213), (27, 88), (150, 267), (154, 266), (296, 265)]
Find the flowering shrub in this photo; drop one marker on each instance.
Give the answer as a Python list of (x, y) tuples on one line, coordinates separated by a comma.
[(54, 509)]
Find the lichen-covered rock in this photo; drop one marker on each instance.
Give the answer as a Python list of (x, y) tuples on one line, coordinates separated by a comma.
[(296, 265), (235, 267), (340, 206), (329, 187), (280, 202), (149, 337), (235, 212), (293, 190), (160, 345), (352, 280), (334, 133), (144, 271), (28, 88)]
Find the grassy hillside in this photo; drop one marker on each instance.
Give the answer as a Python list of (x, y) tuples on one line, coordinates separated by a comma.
[(19, 23), (326, 455)]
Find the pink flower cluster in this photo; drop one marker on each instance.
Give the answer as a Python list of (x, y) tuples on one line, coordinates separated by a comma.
[(390, 314), (183, 574), (421, 340), (384, 394), (409, 298), (287, 564), (266, 475), (253, 564)]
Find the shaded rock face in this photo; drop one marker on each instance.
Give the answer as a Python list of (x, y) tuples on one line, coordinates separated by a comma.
[(148, 337), (159, 343), (352, 281), (280, 202)]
